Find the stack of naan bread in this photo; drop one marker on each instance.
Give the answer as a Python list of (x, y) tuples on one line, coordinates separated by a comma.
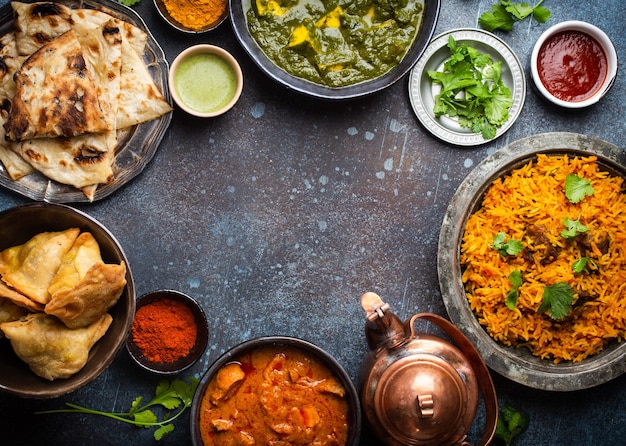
[(55, 294), (70, 80)]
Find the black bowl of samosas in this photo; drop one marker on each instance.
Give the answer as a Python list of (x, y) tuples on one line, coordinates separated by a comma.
[(67, 299)]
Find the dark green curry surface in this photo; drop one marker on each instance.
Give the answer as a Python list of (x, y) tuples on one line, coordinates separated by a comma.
[(335, 43)]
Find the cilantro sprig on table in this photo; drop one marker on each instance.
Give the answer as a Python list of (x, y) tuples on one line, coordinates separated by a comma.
[(511, 423), (505, 14), (472, 90), (170, 395)]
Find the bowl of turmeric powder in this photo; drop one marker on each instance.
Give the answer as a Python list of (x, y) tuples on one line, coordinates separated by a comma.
[(169, 332), (193, 17)]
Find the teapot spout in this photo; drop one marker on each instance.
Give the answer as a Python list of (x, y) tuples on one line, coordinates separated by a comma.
[(383, 329)]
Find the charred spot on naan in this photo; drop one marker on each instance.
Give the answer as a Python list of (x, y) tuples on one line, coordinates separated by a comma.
[(39, 23)]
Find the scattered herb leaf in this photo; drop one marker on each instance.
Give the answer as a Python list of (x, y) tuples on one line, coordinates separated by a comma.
[(511, 423), (505, 14), (129, 2), (516, 281), (577, 188), (558, 299), (170, 395), (580, 265), (506, 248), (572, 228), (472, 90)]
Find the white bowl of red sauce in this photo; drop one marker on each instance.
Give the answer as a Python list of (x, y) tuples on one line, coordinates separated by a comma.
[(574, 64)]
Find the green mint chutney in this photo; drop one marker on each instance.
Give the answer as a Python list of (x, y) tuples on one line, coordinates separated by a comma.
[(205, 82)]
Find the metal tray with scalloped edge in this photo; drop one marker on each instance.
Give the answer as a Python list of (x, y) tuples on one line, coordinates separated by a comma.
[(137, 145)]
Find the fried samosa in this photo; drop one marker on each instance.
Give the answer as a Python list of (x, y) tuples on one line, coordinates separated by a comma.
[(51, 350), (30, 268), (10, 312), (84, 287)]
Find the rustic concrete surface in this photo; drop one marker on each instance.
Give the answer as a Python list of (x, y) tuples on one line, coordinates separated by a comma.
[(278, 215)]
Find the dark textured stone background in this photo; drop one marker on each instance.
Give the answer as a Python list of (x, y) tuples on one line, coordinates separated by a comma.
[(278, 215)]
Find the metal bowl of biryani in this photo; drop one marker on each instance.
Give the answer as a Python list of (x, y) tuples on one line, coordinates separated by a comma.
[(531, 258), (276, 389), (57, 331), (334, 52)]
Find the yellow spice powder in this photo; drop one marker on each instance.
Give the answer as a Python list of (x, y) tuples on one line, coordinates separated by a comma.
[(195, 14)]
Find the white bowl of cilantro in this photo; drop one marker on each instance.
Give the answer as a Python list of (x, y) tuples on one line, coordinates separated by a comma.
[(468, 87)]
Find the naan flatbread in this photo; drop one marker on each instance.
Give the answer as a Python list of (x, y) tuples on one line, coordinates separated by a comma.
[(14, 164), (84, 287), (100, 36), (55, 94), (8, 45), (37, 24), (29, 268), (140, 99), (51, 350)]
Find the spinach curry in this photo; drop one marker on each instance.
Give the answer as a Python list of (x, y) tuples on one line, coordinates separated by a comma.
[(335, 43)]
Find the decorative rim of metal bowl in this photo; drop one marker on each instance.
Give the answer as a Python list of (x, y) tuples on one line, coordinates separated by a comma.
[(167, 17), (59, 217), (268, 341), (202, 339), (421, 87), (518, 364), (240, 27)]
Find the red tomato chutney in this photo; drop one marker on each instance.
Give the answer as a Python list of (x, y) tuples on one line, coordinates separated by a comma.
[(572, 65)]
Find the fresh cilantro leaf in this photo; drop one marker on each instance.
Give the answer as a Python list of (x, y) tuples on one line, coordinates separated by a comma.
[(580, 265), (506, 248), (577, 188), (558, 299), (511, 423), (572, 228), (129, 2), (472, 90), (541, 14), (163, 431), (497, 18), (519, 10), (505, 14), (145, 418), (516, 281), (169, 395)]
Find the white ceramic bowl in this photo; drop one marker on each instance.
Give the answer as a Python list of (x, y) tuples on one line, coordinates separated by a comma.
[(205, 80), (609, 51)]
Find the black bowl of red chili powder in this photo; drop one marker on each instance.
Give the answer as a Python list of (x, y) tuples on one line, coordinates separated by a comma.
[(169, 332)]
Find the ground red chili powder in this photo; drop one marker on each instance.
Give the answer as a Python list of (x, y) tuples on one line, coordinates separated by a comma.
[(164, 330)]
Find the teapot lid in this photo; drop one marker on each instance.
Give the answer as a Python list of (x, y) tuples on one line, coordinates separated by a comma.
[(422, 399)]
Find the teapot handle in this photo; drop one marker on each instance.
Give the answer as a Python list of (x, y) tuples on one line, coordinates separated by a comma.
[(480, 368)]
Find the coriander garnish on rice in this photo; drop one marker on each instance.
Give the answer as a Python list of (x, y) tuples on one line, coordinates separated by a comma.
[(568, 218)]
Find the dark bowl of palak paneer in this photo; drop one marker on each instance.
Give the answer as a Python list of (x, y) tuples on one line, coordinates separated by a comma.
[(335, 51)]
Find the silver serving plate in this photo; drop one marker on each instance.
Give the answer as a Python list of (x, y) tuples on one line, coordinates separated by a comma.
[(518, 364)]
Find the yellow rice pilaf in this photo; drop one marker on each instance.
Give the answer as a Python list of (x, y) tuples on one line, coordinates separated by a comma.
[(534, 196)]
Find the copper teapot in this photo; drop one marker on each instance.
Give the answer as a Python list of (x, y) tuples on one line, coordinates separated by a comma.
[(419, 389)]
